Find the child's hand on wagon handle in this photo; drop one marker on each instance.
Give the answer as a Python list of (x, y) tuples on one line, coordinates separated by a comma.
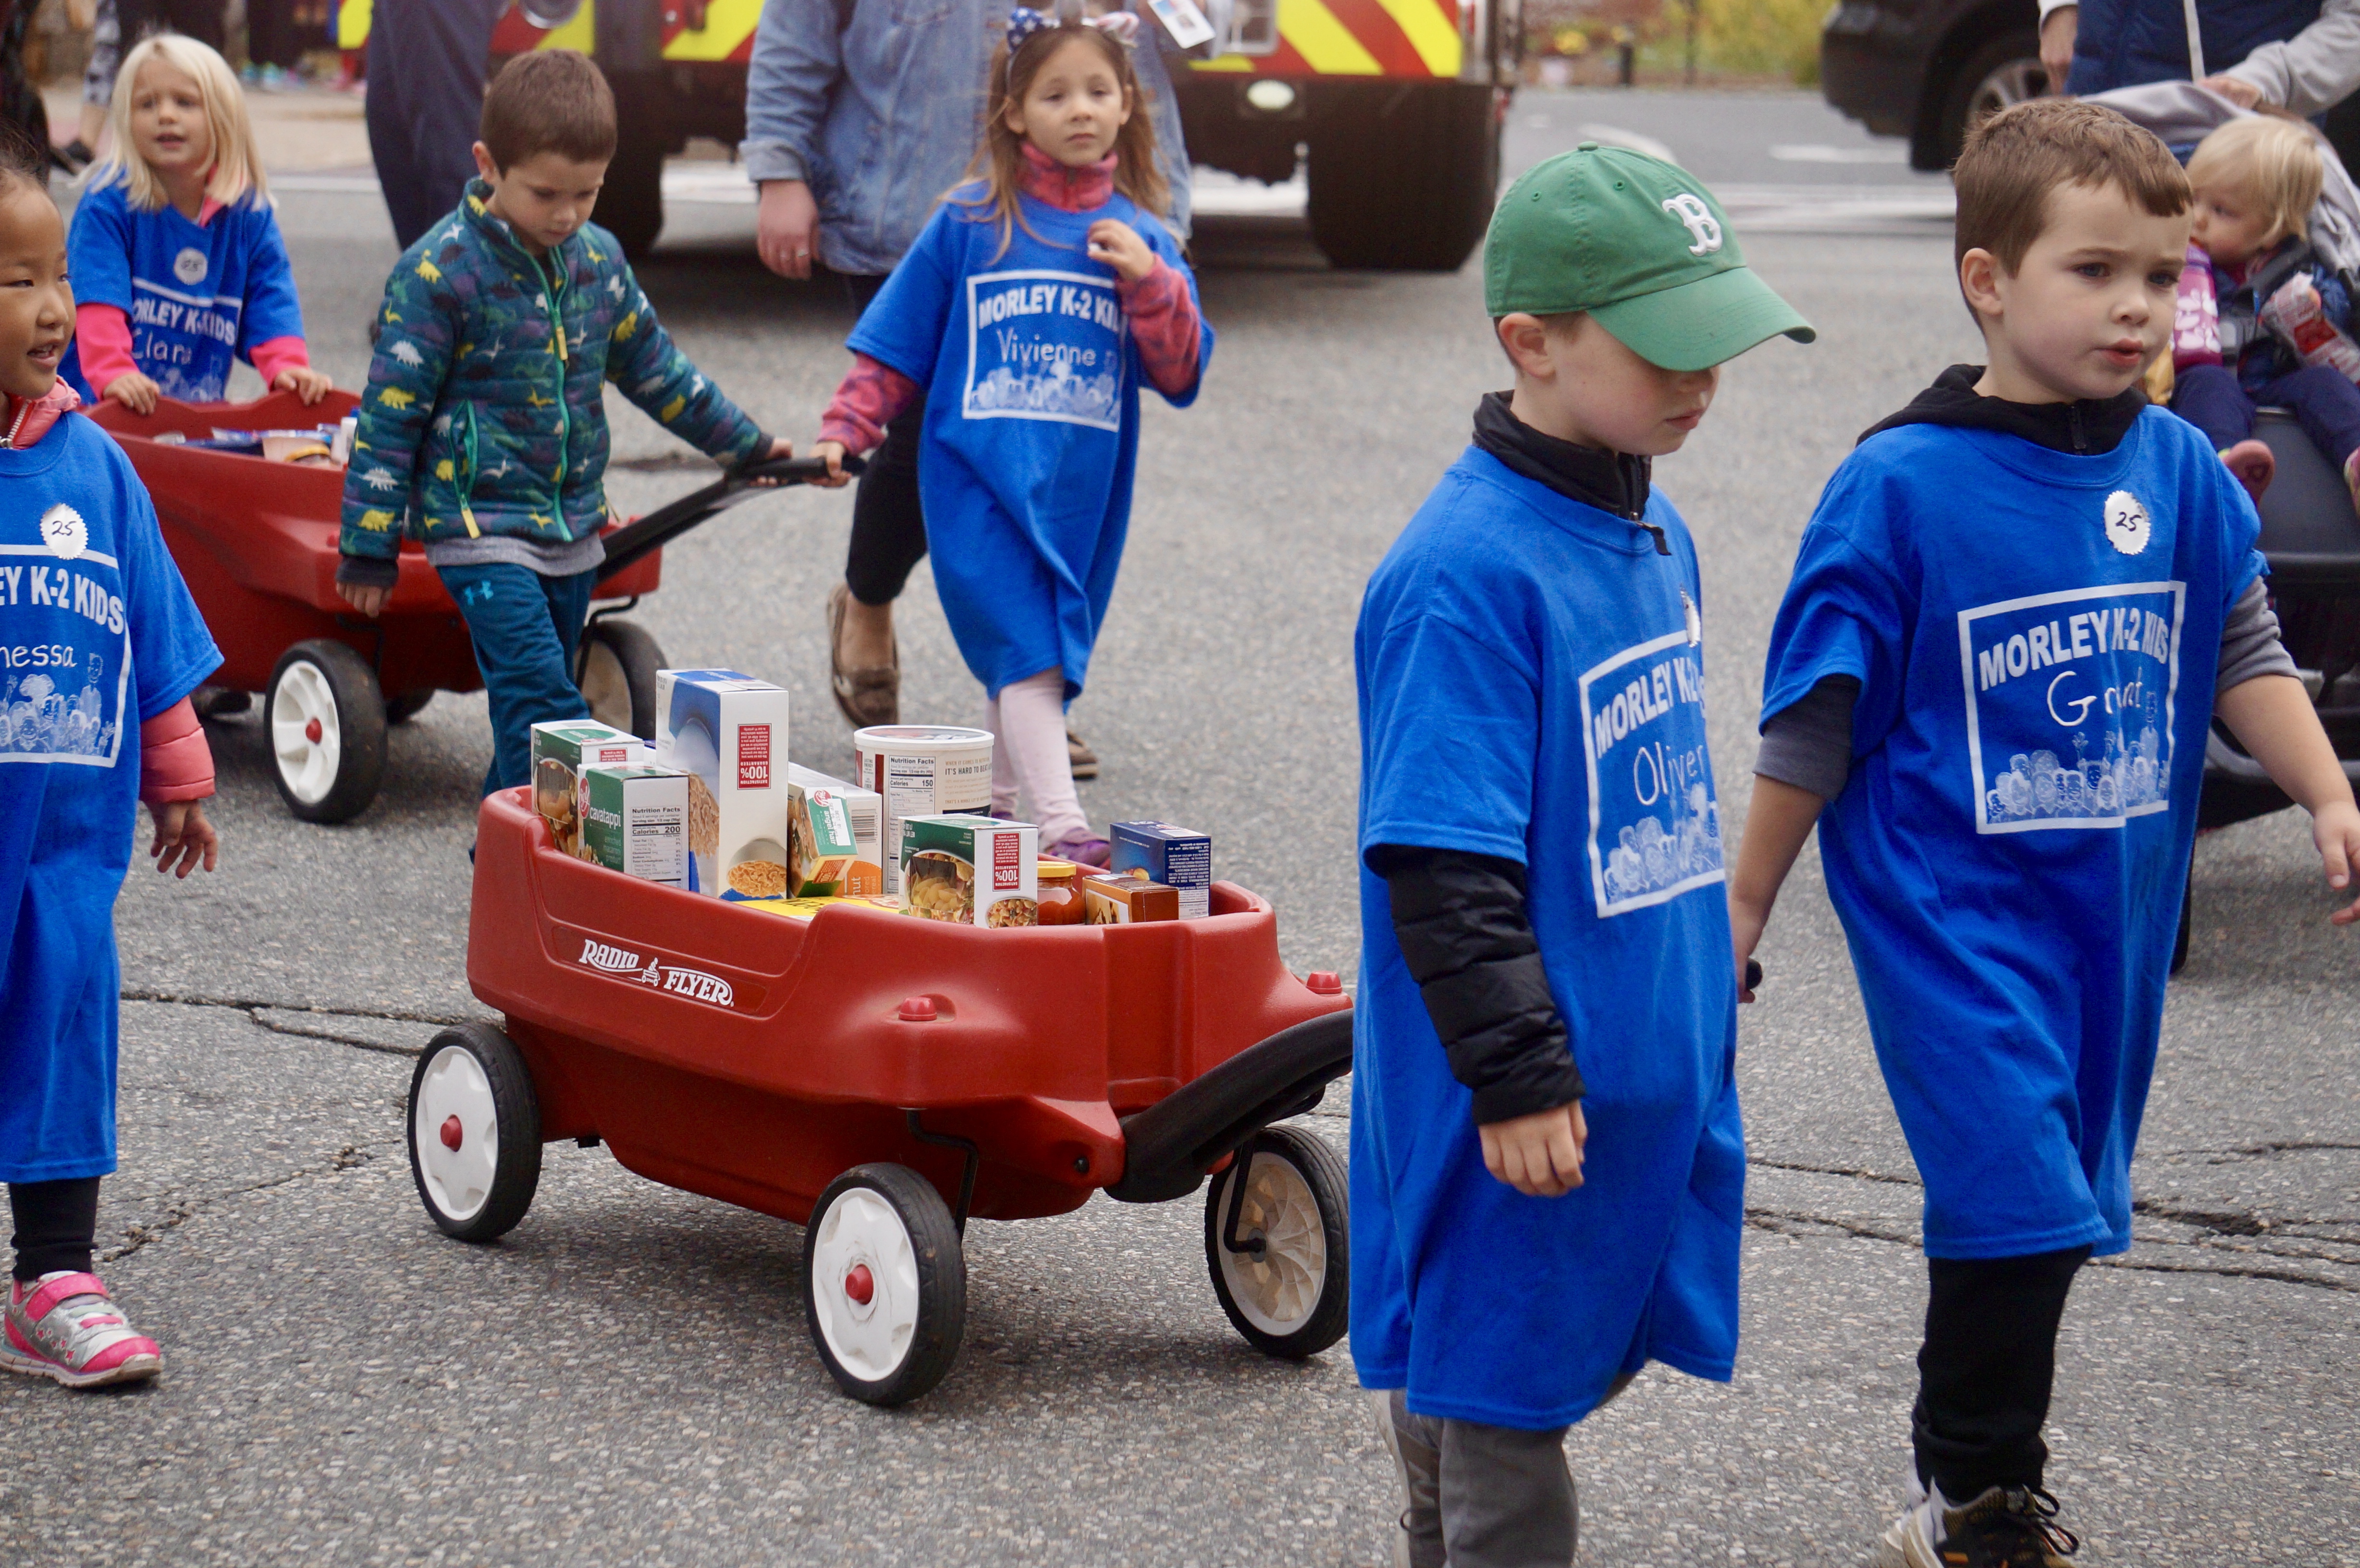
[(368, 599), (135, 392), (185, 840), (1539, 1155), (833, 453)]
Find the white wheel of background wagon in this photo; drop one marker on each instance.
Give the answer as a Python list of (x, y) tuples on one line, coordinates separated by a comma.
[(475, 1133), (1286, 1284), (325, 719), (884, 1283)]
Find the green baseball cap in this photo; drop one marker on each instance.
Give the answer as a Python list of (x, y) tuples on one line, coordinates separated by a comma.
[(1639, 244)]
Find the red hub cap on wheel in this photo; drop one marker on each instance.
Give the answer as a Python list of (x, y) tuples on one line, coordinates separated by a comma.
[(452, 1131), (859, 1284), (312, 732)]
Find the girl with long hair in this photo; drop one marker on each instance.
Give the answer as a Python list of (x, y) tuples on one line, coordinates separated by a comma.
[(177, 261), (1040, 296)]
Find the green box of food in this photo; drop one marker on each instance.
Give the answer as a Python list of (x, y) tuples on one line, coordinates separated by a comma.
[(559, 751), (635, 821), (967, 870)]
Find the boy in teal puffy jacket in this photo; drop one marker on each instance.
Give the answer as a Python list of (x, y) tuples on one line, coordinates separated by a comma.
[(483, 432)]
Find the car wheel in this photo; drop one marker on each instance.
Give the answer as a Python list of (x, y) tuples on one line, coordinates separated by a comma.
[(2006, 71)]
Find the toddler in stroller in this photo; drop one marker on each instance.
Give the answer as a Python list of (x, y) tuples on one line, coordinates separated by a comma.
[(2264, 316)]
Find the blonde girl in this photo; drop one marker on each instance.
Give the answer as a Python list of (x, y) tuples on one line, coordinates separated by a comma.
[(1040, 296), (177, 264)]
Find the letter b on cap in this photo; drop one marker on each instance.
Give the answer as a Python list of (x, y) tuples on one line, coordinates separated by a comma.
[(1691, 211)]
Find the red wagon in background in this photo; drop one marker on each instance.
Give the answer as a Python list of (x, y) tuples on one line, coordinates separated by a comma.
[(880, 1079), (257, 541)]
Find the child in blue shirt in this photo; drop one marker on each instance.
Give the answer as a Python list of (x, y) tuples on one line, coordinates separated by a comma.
[(1034, 303), (1542, 922), (2017, 610), (177, 264), (104, 647)]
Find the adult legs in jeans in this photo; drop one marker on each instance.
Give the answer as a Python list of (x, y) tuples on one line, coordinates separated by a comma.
[(57, 1224), (1985, 1369), (526, 628), (426, 60), (270, 33)]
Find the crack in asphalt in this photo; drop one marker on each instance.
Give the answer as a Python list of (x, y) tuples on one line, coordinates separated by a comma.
[(137, 1235), (253, 1009)]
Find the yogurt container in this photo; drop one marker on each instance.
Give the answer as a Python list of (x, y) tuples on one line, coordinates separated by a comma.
[(922, 771)]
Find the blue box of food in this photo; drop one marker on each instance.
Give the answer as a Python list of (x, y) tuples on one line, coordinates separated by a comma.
[(1176, 856)]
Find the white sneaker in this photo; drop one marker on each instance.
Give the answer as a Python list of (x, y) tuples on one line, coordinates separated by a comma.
[(1910, 1542)]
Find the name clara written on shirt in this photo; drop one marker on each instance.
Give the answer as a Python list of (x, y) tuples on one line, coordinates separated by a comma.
[(1046, 345), (2070, 704), (1655, 822)]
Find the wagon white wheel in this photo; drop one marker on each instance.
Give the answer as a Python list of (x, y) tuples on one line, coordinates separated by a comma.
[(885, 1283), (475, 1133), (326, 723), (1280, 1273)]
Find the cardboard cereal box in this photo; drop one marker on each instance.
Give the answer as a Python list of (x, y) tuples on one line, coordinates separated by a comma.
[(728, 732)]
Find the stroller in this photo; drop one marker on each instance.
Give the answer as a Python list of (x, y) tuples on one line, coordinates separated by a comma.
[(2310, 532)]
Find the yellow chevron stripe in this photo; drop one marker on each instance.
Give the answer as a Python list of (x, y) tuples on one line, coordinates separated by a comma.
[(727, 24), (581, 33), (1429, 32), (1326, 44), (1219, 62)]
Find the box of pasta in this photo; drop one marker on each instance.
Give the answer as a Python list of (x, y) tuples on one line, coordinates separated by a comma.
[(973, 871), (635, 821), (559, 751)]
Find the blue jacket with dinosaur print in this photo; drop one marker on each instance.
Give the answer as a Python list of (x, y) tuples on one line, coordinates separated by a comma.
[(484, 413)]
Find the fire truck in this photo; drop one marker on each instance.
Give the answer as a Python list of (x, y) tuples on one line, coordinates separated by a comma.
[(1393, 109)]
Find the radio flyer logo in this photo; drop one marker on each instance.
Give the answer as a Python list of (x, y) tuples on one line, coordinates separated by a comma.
[(1654, 825), (2069, 707), (1044, 345), (623, 963)]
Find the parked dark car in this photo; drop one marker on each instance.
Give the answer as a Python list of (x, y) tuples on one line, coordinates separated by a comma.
[(1928, 69)]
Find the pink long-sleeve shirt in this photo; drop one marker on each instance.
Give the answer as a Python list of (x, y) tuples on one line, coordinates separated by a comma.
[(1162, 313)]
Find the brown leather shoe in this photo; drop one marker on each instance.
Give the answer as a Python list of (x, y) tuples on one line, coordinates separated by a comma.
[(869, 696), (1084, 761)]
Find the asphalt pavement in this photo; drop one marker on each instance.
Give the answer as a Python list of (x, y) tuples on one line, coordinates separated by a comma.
[(627, 1376)]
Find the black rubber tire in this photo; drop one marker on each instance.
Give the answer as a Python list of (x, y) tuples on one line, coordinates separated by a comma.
[(2187, 924), (941, 1269), (516, 1108), (401, 710), (625, 690), (360, 730), (1959, 92), (1322, 1170), (1405, 178)]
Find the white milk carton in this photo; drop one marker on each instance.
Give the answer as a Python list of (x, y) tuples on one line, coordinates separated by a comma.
[(728, 732)]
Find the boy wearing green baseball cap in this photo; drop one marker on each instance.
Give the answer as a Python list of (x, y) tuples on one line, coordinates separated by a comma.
[(1544, 942)]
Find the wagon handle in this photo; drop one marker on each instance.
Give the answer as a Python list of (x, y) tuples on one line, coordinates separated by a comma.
[(643, 536)]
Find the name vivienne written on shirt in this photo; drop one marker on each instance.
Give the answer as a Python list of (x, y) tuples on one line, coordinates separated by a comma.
[(1655, 822), (2070, 705), (1044, 345)]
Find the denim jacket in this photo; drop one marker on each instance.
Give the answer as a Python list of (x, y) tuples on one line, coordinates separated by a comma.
[(879, 114)]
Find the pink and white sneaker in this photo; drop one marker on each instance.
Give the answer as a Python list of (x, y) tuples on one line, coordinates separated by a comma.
[(66, 1326)]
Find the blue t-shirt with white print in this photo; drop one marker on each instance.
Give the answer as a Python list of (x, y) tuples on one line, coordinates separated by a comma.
[(98, 635), (1032, 430), (199, 296), (2036, 635), (1531, 676)]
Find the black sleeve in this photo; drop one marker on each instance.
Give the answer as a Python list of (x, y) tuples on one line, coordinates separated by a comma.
[(368, 571), (1808, 743), (1464, 934)]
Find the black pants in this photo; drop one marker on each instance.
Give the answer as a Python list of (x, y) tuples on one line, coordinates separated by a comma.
[(889, 528), (1985, 1372), (426, 61), (57, 1223), (199, 19)]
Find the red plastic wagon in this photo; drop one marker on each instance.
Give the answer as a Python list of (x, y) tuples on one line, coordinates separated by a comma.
[(880, 1079), (257, 541)]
